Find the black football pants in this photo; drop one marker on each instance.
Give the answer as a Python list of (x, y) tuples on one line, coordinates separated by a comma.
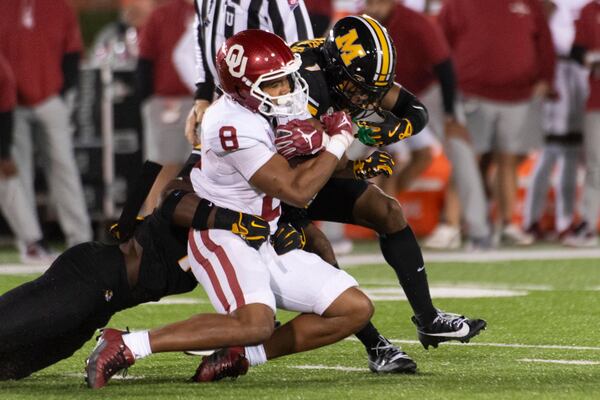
[(49, 318)]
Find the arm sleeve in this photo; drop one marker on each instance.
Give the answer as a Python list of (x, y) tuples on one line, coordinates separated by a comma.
[(247, 161), (70, 70), (445, 74), (578, 54), (143, 78), (6, 131), (409, 107)]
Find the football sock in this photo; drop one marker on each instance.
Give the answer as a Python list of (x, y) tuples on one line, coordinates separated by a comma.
[(369, 336), (402, 252), (138, 343), (255, 354)]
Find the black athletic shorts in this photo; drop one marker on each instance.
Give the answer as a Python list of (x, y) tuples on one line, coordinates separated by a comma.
[(49, 318), (334, 203)]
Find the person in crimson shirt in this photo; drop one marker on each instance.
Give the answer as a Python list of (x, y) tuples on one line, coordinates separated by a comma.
[(505, 61), (42, 43), (586, 50), (166, 97), (563, 126), (13, 200), (321, 13), (427, 71)]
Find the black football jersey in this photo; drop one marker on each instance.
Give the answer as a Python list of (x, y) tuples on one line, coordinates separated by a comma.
[(319, 99)]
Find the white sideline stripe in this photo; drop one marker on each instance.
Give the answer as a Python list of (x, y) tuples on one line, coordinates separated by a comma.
[(442, 292), (465, 284), (509, 345), (568, 362), (335, 368), (510, 254), (22, 269), (115, 377), (483, 256)]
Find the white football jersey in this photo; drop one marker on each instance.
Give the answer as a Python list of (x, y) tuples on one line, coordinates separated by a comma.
[(236, 142)]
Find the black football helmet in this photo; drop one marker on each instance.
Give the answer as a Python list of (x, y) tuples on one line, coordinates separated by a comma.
[(360, 62)]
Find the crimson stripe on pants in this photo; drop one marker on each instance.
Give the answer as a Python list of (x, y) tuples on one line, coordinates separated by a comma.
[(214, 280), (227, 268)]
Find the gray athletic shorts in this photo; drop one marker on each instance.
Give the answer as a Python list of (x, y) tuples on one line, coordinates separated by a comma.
[(513, 128), (164, 129)]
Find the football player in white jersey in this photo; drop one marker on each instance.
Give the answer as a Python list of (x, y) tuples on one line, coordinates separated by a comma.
[(243, 170)]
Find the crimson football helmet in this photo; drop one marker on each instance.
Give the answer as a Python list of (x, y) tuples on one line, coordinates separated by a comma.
[(252, 57)]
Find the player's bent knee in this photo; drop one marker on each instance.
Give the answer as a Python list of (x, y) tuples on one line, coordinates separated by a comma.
[(257, 323), (395, 219), (354, 306)]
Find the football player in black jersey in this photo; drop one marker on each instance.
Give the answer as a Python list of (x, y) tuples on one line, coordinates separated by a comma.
[(352, 69), (51, 317)]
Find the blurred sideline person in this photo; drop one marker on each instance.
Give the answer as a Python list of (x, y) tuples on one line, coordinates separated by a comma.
[(321, 13), (563, 124), (427, 70), (165, 97), (504, 60), (243, 171), (586, 50), (90, 282), (13, 201), (118, 42), (42, 43)]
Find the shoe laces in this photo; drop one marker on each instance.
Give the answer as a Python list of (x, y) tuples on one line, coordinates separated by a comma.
[(452, 320), (385, 347), (117, 359)]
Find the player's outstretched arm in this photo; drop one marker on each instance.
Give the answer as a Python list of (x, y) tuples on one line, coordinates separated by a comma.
[(183, 207)]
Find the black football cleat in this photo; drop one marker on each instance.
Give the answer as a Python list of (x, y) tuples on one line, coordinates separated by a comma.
[(386, 358), (225, 363), (110, 356), (446, 327)]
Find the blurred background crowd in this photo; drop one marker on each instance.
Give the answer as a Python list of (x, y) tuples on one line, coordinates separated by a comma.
[(511, 156)]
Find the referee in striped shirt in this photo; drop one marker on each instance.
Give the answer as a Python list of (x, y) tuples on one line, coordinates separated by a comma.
[(218, 20)]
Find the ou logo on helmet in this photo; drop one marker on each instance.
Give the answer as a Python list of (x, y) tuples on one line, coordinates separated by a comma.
[(236, 61)]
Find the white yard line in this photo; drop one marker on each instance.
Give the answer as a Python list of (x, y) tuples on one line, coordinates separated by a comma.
[(567, 362), (335, 368), (509, 345)]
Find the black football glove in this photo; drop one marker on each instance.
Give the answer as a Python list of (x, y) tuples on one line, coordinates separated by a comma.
[(253, 229), (378, 163), (287, 238), (390, 130)]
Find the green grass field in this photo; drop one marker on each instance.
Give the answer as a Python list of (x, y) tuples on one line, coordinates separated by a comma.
[(552, 317)]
